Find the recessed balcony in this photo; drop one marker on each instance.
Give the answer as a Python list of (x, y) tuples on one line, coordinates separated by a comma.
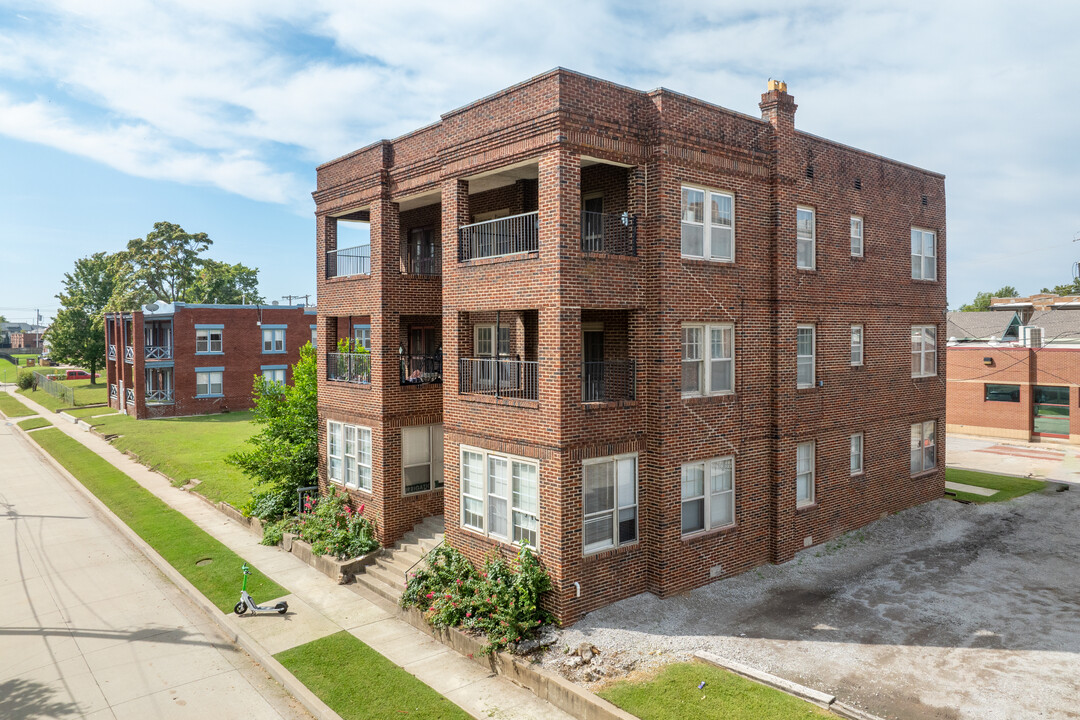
[(344, 262), (349, 367)]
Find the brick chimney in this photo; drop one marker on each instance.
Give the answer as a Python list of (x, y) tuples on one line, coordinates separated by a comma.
[(778, 107)]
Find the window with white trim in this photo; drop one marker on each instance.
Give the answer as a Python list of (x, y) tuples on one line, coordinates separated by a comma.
[(610, 497), (923, 447), (856, 344), (314, 336), (422, 458), (362, 336), (805, 351), (923, 351), (805, 238), (857, 454), (208, 340), (348, 455), (274, 375), (804, 474), (708, 224), (708, 359), (500, 496), (923, 254), (208, 383), (273, 340), (708, 495), (856, 236)]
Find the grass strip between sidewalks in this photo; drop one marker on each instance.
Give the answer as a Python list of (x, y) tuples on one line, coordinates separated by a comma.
[(1007, 487), (357, 682), (34, 423), (13, 408), (45, 400), (83, 412), (179, 540), (673, 693)]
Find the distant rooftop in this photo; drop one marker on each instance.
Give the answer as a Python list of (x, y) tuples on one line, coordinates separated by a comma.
[(1042, 301)]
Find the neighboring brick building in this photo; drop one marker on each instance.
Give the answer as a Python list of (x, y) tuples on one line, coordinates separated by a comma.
[(173, 359), (673, 342)]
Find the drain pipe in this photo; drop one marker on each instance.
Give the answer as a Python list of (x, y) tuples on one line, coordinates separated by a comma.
[(577, 588)]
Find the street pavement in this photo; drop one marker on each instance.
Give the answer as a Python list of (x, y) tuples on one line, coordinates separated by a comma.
[(1043, 461)]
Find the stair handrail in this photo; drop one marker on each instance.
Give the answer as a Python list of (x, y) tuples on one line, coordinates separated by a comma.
[(422, 557)]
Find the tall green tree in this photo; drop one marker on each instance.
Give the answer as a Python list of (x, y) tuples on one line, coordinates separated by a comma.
[(219, 282), (77, 334), (1072, 288), (981, 303)]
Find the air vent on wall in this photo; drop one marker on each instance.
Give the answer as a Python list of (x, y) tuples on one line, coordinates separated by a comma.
[(809, 172), (925, 202), (858, 183)]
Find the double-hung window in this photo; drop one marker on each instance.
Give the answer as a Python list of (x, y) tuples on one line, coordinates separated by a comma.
[(708, 359), (805, 351), (208, 382), (348, 454), (208, 339), (362, 336), (708, 495), (804, 474), (923, 254), (273, 338), (611, 513), (856, 236), (805, 238), (923, 351), (422, 458), (857, 454), (708, 224), (500, 496), (923, 447), (314, 336), (856, 344), (274, 373)]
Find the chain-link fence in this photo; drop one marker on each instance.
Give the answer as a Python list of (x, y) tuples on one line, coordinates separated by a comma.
[(57, 390)]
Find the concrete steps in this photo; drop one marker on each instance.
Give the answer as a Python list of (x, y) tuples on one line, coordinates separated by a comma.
[(387, 576)]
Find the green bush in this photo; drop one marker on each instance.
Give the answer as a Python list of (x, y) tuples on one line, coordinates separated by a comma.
[(501, 602), (330, 525), (25, 380)]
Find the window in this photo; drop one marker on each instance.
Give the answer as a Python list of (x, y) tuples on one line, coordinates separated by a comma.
[(923, 254), (314, 336), (805, 235), (273, 338), (857, 454), (348, 454), (923, 447), (274, 373), (856, 345), (208, 382), (610, 502), (208, 339), (362, 336), (1002, 393), (805, 341), (711, 238), (856, 236), (708, 495), (923, 351), (483, 340), (422, 458), (708, 368), (500, 496), (804, 474)]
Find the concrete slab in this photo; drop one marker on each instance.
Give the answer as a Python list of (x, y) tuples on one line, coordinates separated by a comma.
[(231, 695), (405, 653), (300, 625), (971, 489), (132, 670), (446, 677), (385, 634)]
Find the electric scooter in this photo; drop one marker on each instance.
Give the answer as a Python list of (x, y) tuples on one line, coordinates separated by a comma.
[(246, 603)]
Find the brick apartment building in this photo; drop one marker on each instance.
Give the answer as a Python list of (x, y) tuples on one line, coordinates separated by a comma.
[(173, 359), (661, 341)]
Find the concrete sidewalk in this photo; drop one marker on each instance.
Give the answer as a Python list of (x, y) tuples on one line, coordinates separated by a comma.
[(319, 607), (1043, 461)]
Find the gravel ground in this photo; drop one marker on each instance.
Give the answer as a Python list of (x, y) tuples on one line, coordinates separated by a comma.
[(942, 611)]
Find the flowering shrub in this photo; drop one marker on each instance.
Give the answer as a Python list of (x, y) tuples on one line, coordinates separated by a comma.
[(501, 602), (330, 525)]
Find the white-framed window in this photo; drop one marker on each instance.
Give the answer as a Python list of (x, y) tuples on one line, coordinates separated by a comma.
[(484, 340), (362, 336), (208, 340), (923, 254), (314, 336), (857, 454), (805, 238), (708, 224), (273, 338), (348, 455), (856, 236), (805, 351), (856, 344), (708, 359), (804, 473), (923, 447), (610, 496), (422, 458), (923, 351), (500, 496), (708, 495), (274, 373), (208, 383)]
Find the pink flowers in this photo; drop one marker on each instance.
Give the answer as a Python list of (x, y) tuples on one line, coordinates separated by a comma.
[(361, 510), (430, 596)]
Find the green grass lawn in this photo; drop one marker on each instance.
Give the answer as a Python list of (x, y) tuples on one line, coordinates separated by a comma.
[(34, 423), (83, 412), (13, 408), (358, 682), (45, 399), (1007, 487), (189, 447), (180, 541), (674, 693)]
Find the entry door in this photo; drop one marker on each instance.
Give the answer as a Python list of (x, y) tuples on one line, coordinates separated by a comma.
[(592, 348), (1050, 406)]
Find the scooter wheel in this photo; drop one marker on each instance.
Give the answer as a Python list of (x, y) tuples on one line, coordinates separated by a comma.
[(282, 608), (240, 608)]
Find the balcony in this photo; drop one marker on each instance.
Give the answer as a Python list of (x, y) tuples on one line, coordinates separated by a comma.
[(129, 354), (421, 369), (426, 266), (500, 378), (348, 261), (129, 396), (112, 351), (113, 394), (349, 367), (612, 233), (158, 352), (503, 236), (159, 397), (608, 381)]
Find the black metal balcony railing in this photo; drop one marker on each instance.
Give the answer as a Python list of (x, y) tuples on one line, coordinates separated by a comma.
[(504, 236), (158, 352), (500, 377), (425, 265), (614, 233), (608, 381), (420, 369), (129, 354), (112, 351), (349, 367), (159, 397), (348, 261)]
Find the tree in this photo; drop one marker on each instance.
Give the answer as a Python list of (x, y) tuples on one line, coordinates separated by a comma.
[(77, 334), (981, 303), (285, 452), (219, 282), (1070, 289)]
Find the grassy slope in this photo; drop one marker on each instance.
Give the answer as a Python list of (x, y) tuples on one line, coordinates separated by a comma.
[(180, 541), (357, 682), (674, 694), (90, 411), (1007, 487), (45, 399), (34, 423), (13, 408)]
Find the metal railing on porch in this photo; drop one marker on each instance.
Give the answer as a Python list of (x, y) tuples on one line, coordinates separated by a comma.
[(354, 260), (113, 394), (500, 377), (608, 381), (159, 397), (614, 233), (129, 354), (420, 369), (426, 266), (112, 351), (158, 352), (129, 395), (502, 236), (349, 367)]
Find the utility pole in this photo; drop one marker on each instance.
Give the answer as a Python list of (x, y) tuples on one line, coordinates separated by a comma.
[(289, 298)]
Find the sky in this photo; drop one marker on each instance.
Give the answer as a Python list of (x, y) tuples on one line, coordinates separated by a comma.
[(214, 115)]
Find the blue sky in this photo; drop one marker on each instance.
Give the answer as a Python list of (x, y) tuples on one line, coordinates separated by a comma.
[(213, 115)]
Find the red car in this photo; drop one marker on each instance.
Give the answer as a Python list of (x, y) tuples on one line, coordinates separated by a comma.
[(77, 375)]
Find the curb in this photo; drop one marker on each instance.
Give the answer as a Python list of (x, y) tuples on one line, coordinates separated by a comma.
[(237, 636)]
